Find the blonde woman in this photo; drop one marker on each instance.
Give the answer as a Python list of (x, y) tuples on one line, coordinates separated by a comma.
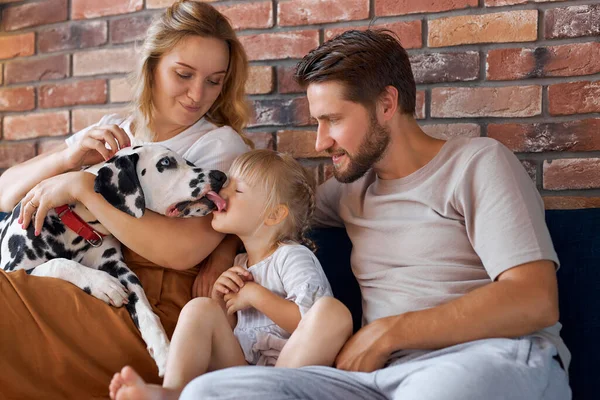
[(58, 342)]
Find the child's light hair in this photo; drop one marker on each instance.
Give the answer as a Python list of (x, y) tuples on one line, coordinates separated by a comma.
[(285, 182)]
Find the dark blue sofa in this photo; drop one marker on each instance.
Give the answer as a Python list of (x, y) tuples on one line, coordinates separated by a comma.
[(576, 237)]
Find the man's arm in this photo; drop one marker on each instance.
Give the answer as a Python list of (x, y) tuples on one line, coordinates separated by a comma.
[(522, 300)]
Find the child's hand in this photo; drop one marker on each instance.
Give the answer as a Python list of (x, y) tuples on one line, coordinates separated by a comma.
[(243, 299), (231, 281)]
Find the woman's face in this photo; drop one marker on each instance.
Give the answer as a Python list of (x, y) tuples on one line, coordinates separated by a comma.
[(187, 81)]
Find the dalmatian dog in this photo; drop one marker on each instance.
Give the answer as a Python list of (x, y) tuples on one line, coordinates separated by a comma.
[(135, 179)]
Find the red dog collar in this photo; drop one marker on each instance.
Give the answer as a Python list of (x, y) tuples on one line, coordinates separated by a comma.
[(79, 226)]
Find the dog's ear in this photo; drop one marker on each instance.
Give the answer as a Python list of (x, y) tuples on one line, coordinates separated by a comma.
[(117, 181)]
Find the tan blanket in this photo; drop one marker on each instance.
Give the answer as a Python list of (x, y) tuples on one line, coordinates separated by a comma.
[(57, 342)]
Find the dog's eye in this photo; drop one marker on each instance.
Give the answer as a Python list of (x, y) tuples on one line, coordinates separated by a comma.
[(165, 162)]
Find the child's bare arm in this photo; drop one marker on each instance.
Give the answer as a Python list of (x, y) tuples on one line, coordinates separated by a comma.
[(285, 313), (230, 281)]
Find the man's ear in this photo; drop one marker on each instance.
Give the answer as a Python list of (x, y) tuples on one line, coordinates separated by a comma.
[(276, 216), (387, 103), (117, 181)]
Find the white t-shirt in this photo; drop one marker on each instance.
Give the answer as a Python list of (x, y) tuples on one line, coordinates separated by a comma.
[(292, 272), (443, 231), (204, 144)]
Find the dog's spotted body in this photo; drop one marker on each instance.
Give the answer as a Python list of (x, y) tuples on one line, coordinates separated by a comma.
[(149, 176)]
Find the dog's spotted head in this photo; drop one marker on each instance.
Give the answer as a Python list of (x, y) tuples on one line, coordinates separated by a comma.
[(156, 178)]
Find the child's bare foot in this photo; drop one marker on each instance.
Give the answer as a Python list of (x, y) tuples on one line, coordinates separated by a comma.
[(128, 385)]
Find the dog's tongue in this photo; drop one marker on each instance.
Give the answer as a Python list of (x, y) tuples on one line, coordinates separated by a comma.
[(215, 198)]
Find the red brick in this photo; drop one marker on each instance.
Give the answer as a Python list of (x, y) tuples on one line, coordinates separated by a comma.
[(572, 174), (447, 131), (510, 26), (128, 29), (260, 80), (106, 61), (84, 117), (15, 153), (39, 69), (17, 99), (72, 94), (420, 105), (45, 146), (445, 67), (73, 36), (574, 97), (499, 3), (409, 32), (34, 14), (257, 15), (281, 112), (510, 101), (17, 45), (262, 140), (401, 7), (575, 21), (565, 60), (300, 144), (286, 82), (120, 90), (17, 127), (570, 202), (554, 136), (167, 3), (281, 45), (308, 12), (83, 9)]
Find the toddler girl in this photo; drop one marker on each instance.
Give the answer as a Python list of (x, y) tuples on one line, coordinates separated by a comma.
[(274, 306)]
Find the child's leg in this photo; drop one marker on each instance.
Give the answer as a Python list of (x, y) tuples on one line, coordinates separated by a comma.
[(319, 337), (203, 341)]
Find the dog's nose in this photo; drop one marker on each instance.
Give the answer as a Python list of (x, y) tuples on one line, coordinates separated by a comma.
[(217, 178)]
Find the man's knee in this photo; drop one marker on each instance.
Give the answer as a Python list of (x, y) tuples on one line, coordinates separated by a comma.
[(231, 383)]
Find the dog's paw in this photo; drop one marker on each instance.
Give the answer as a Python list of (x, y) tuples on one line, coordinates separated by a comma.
[(107, 288)]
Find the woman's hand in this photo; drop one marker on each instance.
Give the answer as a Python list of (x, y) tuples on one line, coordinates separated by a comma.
[(230, 281), (91, 148), (50, 193)]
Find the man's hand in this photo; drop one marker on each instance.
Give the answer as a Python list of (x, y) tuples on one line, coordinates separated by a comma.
[(243, 299), (365, 351)]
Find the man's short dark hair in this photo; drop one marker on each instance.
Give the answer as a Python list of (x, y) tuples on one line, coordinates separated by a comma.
[(365, 62)]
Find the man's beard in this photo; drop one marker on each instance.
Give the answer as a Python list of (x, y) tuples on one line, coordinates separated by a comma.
[(371, 150)]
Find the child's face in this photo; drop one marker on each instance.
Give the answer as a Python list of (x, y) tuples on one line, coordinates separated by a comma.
[(243, 214)]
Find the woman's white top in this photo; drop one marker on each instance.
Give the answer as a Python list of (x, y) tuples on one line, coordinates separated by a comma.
[(204, 144)]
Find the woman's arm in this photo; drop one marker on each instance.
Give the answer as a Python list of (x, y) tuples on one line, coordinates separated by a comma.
[(89, 148), (16, 181), (177, 243)]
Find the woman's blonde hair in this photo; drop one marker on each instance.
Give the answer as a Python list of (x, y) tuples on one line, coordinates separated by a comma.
[(285, 182), (191, 18)]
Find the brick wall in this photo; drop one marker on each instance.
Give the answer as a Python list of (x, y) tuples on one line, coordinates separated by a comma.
[(523, 72)]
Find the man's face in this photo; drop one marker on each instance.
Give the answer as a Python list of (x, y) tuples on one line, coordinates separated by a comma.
[(347, 130)]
